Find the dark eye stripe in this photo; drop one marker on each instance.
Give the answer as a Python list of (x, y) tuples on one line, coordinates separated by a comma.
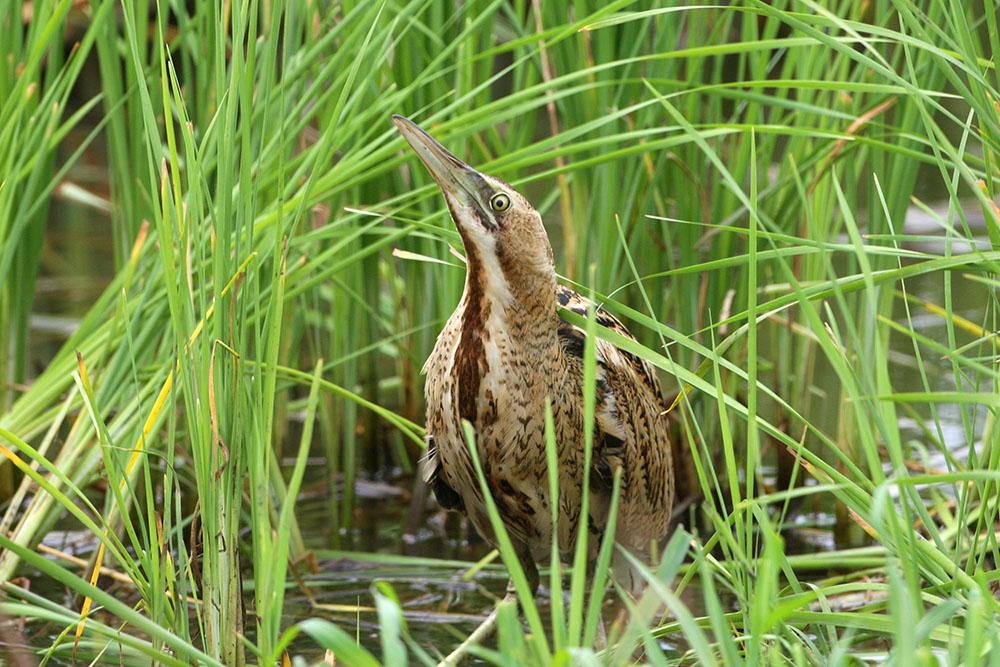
[(484, 219)]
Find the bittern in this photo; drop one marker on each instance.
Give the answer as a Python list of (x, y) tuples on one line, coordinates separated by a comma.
[(504, 352)]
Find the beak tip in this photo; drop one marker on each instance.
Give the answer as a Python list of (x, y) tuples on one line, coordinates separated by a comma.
[(447, 170)]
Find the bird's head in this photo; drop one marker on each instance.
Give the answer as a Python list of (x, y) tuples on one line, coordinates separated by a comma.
[(498, 226)]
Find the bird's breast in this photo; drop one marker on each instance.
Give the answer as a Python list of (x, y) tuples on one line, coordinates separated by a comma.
[(480, 371)]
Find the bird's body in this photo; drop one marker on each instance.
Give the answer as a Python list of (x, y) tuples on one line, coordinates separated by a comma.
[(502, 355)]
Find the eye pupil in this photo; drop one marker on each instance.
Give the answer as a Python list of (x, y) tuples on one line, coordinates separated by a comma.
[(500, 202)]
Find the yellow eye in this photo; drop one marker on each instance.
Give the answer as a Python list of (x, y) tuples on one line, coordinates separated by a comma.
[(500, 202)]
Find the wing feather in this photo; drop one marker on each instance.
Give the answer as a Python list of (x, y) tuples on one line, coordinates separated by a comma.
[(630, 428), (447, 497), (610, 430)]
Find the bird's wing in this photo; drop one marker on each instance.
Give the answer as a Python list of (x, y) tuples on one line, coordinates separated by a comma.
[(447, 497), (631, 431), (615, 367)]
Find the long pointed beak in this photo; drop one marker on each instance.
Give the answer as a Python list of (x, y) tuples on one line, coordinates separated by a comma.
[(454, 177)]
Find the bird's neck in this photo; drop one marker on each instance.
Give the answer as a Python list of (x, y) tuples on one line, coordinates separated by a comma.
[(506, 323), (514, 296)]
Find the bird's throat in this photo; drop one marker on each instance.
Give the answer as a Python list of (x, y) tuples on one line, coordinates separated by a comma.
[(470, 355), (502, 323)]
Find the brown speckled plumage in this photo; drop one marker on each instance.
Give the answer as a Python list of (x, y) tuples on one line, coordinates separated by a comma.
[(503, 352)]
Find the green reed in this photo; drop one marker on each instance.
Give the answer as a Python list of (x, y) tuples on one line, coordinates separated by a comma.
[(731, 181)]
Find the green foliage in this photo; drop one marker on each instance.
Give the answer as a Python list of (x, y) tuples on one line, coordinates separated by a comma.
[(732, 180)]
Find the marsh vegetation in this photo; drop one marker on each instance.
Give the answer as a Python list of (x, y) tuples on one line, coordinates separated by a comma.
[(222, 273)]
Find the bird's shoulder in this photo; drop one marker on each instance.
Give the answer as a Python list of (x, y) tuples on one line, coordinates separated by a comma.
[(579, 304), (628, 366)]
